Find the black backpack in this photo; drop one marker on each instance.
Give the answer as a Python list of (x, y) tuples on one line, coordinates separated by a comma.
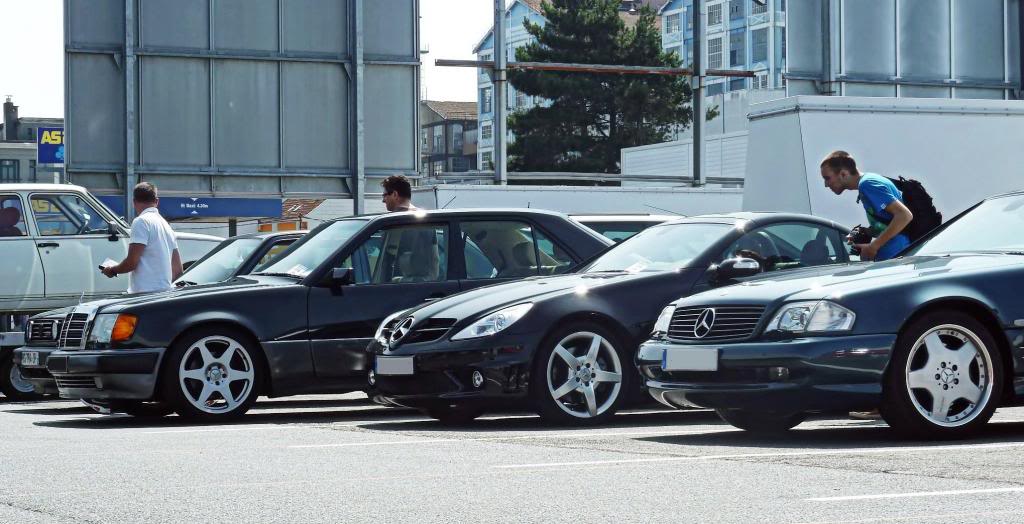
[(919, 202)]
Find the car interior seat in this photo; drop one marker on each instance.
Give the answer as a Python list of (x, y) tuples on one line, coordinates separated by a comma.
[(814, 253), (9, 218), (525, 257)]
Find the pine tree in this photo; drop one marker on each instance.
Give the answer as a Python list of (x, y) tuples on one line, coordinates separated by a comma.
[(587, 118)]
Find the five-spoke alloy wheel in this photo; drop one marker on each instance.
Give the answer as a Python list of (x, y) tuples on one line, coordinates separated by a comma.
[(945, 378), (212, 374), (579, 375)]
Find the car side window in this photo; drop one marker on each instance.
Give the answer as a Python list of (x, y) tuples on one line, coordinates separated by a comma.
[(66, 215), (402, 254), (274, 250), (789, 245), (553, 259), (504, 249), (12, 217)]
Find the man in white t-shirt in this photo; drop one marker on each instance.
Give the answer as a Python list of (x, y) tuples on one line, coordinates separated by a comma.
[(153, 261)]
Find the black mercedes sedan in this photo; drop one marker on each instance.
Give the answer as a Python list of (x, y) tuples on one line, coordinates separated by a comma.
[(302, 322), (233, 257), (565, 344), (934, 338)]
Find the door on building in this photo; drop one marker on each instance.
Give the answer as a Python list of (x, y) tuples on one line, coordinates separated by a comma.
[(21, 284), (73, 239), (396, 268)]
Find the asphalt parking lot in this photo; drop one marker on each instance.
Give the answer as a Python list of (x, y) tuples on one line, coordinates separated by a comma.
[(341, 458)]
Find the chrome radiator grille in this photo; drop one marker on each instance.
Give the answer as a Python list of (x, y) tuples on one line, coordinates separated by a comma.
[(714, 322)]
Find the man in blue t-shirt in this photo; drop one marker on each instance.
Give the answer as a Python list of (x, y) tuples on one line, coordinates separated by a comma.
[(883, 203)]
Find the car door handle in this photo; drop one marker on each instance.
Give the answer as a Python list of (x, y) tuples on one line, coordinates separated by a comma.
[(48, 244)]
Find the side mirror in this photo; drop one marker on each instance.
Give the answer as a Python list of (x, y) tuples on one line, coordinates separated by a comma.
[(739, 267), (112, 232), (342, 276)]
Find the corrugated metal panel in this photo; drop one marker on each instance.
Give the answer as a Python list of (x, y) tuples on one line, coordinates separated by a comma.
[(978, 39), (175, 23), (245, 24), (96, 109), (312, 134), (390, 143), (246, 131), (316, 26), (86, 28), (174, 129), (389, 27)]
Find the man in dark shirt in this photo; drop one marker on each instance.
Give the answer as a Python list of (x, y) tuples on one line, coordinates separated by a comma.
[(397, 193)]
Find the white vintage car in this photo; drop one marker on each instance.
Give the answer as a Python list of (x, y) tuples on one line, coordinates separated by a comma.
[(53, 237)]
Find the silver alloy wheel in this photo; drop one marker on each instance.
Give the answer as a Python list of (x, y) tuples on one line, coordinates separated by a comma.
[(584, 375), (951, 380), (19, 382), (216, 374)]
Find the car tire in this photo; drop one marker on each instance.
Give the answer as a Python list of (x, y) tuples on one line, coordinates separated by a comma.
[(213, 373), (453, 415), (13, 385), (761, 422), (143, 409), (581, 375), (947, 357)]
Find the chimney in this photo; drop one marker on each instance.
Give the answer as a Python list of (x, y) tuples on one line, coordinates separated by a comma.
[(10, 120)]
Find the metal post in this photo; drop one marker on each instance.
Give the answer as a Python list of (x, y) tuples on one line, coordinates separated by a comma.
[(1020, 43), (826, 48), (232, 227), (359, 174), (130, 178), (499, 83), (697, 83)]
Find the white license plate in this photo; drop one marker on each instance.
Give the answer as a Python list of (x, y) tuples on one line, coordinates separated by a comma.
[(394, 366), (30, 358), (690, 359)]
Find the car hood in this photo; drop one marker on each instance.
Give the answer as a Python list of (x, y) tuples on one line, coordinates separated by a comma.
[(835, 282), (489, 298), (181, 235), (233, 285)]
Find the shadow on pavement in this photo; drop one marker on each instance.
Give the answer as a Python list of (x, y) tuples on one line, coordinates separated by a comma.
[(524, 421), (848, 435)]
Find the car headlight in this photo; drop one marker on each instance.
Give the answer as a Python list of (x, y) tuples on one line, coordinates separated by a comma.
[(494, 322), (112, 327), (379, 335), (812, 317), (664, 320)]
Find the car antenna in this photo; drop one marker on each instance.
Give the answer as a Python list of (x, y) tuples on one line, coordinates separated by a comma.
[(665, 210), (450, 201)]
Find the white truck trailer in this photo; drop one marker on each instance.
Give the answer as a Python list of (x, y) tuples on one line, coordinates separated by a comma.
[(961, 150)]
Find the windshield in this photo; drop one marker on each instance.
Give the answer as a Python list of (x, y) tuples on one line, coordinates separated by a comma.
[(305, 255), (660, 248), (994, 225), (221, 262)]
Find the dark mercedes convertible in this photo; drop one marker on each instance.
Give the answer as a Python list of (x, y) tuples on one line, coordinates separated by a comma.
[(565, 344), (935, 338)]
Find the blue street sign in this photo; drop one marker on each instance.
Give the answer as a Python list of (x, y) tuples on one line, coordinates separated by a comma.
[(188, 207), (50, 145)]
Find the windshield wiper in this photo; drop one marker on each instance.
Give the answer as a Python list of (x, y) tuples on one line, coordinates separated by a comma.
[(274, 274), (184, 283)]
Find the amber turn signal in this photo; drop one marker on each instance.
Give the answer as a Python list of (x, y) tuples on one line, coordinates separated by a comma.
[(124, 328)]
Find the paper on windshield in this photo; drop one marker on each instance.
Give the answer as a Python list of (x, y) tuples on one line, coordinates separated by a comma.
[(299, 270)]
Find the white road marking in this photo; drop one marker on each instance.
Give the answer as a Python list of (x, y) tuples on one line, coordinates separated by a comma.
[(917, 494), (931, 517), (539, 436), (837, 452)]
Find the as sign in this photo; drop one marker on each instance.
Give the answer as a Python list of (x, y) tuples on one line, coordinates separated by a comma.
[(50, 145)]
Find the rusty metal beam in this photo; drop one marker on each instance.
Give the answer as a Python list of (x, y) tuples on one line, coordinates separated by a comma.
[(595, 68)]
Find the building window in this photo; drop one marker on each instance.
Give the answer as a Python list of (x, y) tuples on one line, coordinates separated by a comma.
[(520, 99), (714, 14), (485, 57), (487, 161), (485, 100), (715, 89), (9, 171), (672, 24), (424, 139), (486, 131), (437, 168), (715, 53), (460, 164), (761, 81), (438, 139), (759, 9), (736, 9), (737, 84), (759, 45), (738, 47), (457, 139)]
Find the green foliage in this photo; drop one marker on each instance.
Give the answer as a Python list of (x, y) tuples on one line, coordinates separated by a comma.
[(589, 117)]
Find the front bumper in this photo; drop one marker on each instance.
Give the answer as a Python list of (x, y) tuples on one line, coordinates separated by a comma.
[(106, 374), (41, 379), (443, 370), (822, 374)]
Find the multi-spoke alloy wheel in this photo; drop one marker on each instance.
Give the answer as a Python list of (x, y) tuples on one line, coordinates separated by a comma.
[(945, 377), (582, 376), (215, 375)]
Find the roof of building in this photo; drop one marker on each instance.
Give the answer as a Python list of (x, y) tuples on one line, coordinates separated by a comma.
[(532, 4), (453, 110), (297, 208)]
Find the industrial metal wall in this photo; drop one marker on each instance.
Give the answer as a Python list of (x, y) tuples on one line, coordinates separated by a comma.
[(241, 97), (904, 48)]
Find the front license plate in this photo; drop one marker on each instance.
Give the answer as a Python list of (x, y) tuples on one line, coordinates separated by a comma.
[(690, 359), (30, 358), (394, 366)]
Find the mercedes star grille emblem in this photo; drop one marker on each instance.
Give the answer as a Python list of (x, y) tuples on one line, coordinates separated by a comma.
[(401, 330), (705, 322)]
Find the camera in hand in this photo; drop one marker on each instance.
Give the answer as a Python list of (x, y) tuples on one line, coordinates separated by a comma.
[(859, 235)]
